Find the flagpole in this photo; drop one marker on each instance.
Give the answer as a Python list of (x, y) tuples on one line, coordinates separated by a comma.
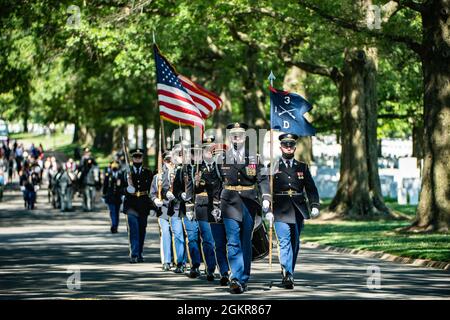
[(163, 136), (271, 78)]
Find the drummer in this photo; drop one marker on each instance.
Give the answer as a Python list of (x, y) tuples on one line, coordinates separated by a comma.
[(289, 206), (242, 176)]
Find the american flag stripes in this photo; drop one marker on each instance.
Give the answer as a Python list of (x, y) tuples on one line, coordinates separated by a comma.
[(181, 100)]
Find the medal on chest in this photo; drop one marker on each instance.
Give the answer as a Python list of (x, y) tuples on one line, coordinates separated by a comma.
[(251, 170)]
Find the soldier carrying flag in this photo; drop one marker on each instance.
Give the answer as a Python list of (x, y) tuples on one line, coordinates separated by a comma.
[(294, 190)]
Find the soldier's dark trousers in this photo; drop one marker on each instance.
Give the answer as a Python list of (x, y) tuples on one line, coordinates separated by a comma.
[(288, 235), (191, 227), (136, 233), (239, 244), (220, 243), (30, 198), (207, 245), (114, 214)]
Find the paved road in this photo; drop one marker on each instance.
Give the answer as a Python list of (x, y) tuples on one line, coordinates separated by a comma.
[(38, 248)]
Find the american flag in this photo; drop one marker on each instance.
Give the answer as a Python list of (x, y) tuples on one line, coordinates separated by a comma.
[(181, 100)]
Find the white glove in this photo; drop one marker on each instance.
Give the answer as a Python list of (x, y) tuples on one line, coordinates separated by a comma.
[(22, 188), (122, 198), (269, 217), (131, 189), (36, 188), (314, 212), (153, 213), (170, 196), (266, 205), (190, 215), (158, 202), (216, 214), (184, 196)]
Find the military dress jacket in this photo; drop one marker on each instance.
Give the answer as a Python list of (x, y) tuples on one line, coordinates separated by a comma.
[(291, 188), (181, 183), (207, 191), (249, 181), (139, 201), (114, 187), (166, 178)]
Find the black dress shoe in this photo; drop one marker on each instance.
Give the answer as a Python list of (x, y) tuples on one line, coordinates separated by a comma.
[(224, 281), (195, 273), (210, 276), (166, 267), (179, 269), (236, 287), (140, 260), (133, 260), (288, 282)]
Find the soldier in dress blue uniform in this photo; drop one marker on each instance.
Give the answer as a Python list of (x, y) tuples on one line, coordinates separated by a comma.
[(207, 186), (177, 207), (243, 185), (189, 219), (113, 190), (290, 209), (215, 217), (137, 205), (162, 212)]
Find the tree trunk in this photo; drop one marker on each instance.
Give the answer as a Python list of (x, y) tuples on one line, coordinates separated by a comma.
[(371, 108), (359, 191), (25, 121), (417, 141), (118, 133), (304, 150), (433, 211), (136, 136), (103, 139), (76, 133), (26, 107)]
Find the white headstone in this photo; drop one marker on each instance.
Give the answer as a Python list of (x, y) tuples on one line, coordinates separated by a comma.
[(402, 196), (413, 192), (408, 167)]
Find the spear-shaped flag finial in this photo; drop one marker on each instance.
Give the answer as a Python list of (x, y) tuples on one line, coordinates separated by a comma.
[(271, 78)]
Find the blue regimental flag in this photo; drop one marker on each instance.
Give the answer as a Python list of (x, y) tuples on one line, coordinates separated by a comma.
[(287, 110)]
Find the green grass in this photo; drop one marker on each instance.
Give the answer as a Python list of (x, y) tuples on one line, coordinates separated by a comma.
[(380, 235)]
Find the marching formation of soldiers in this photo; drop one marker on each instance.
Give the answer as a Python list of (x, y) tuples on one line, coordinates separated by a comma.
[(209, 199)]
